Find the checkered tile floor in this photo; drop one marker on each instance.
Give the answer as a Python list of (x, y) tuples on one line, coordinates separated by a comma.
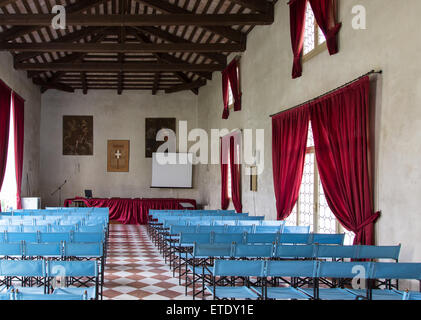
[(135, 270)]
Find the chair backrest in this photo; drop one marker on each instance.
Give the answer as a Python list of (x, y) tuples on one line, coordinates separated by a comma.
[(19, 236), (275, 223), (88, 237), (253, 251), (325, 238), (72, 268), (239, 229), (56, 228), (94, 228), (228, 237), (176, 230), (22, 268), (291, 268), (408, 271), (379, 252), (294, 251), (262, 238), (250, 223), (42, 249), (267, 229), (35, 228), (411, 295), (338, 270), (224, 223), (2, 237), (46, 237), (335, 252), (205, 229), (240, 268), (294, 238), (220, 250), (10, 228), (191, 238), (11, 249), (296, 229), (92, 250)]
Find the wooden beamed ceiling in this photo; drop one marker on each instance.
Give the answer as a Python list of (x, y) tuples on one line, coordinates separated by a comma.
[(167, 45)]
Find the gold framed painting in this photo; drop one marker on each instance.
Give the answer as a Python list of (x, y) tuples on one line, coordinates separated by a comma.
[(118, 155)]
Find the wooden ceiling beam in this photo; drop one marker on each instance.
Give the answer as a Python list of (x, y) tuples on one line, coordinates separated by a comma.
[(122, 48), (16, 32), (117, 67), (262, 6), (43, 20), (53, 85), (186, 86), (4, 3)]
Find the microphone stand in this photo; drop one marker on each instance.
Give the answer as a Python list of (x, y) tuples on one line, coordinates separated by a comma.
[(59, 192)]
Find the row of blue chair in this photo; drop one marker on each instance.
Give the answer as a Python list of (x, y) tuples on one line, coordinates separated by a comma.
[(227, 269), (60, 250), (197, 262), (53, 228), (58, 294), (84, 274), (46, 237)]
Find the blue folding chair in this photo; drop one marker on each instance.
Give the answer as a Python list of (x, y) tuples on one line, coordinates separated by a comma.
[(227, 271), (296, 229), (294, 238), (228, 237), (48, 297), (289, 269), (239, 229), (335, 253), (62, 229), (11, 250), (43, 250), (88, 237), (325, 238), (26, 271), (253, 251), (262, 238), (81, 273), (34, 229), (294, 251), (19, 236), (46, 237), (267, 229)]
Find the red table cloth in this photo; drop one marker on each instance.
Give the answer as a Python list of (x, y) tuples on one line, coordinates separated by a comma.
[(132, 211)]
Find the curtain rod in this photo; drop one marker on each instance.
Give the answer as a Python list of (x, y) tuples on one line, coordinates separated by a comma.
[(331, 91)]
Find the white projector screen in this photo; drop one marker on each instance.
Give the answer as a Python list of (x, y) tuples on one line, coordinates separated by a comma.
[(175, 173)]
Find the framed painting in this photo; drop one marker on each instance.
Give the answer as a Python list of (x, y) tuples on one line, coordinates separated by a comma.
[(152, 127), (118, 155), (78, 135)]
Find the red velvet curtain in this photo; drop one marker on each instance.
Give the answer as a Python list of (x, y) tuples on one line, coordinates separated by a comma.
[(340, 124), (289, 142), (5, 96), (18, 115), (225, 201), (325, 14), (231, 80), (235, 164), (297, 26)]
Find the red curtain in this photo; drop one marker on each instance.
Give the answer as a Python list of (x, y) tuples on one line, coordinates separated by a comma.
[(5, 95), (225, 201), (18, 115), (325, 14), (340, 124), (297, 26), (235, 164), (289, 141), (231, 80)]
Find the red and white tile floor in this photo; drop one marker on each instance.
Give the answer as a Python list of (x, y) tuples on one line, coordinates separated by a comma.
[(135, 270)]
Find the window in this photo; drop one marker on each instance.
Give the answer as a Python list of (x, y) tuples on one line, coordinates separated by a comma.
[(312, 208), (229, 187), (314, 39), (231, 96), (9, 188)]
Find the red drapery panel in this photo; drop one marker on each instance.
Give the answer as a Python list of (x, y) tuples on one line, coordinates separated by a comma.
[(297, 25), (5, 96), (235, 164), (289, 141), (133, 211), (231, 80), (325, 14), (340, 124), (225, 201), (18, 115)]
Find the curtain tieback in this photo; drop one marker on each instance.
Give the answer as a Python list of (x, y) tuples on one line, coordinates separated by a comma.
[(334, 31), (368, 221)]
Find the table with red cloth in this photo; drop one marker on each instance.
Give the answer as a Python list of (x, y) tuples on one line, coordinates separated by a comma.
[(133, 211)]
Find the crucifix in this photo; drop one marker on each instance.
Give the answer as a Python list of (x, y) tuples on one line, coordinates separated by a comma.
[(118, 155)]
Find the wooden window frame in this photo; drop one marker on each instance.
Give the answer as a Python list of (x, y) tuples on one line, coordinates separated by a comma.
[(318, 48)]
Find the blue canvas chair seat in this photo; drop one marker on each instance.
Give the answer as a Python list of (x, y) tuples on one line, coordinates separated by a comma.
[(233, 292), (379, 294), (333, 294), (90, 292), (286, 293), (48, 297)]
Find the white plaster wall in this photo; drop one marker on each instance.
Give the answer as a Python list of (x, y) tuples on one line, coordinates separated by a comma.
[(392, 43), (116, 117), (19, 82)]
